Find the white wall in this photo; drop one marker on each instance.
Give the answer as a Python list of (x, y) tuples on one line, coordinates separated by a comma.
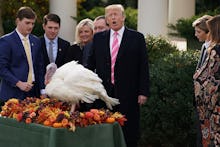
[(180, 9), (65, 9), (152, 16)]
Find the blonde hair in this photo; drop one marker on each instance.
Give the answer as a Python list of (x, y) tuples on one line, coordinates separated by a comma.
[(201, 23), (85, 22), (115, 6)]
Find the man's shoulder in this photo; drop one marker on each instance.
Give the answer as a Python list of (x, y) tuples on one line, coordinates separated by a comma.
[(9, 35), (41, 38), (103, 33), (9, 38), (32, 36), (132, 31), (63, 41)]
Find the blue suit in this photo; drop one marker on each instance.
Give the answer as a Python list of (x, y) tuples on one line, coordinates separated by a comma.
[(14, 66)]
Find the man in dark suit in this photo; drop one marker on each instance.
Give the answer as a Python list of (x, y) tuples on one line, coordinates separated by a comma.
[(100, 25), (54, 48), (21, 68), (127, 78)]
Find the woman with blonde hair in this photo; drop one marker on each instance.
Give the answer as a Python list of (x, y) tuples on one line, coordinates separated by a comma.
[(83, 35), (207, 88)]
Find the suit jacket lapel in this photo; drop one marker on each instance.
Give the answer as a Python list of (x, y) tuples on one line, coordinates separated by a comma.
[(59, 50), (32, 45), (201, 56), (44, 50), (19, 42), (124, 41), (107, 48)]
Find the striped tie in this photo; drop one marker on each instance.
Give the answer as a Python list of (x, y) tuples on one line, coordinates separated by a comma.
[(115, 47)]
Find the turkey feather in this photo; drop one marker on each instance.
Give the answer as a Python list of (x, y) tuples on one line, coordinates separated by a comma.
[(74, 83)]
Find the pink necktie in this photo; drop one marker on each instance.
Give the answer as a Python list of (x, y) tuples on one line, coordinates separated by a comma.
[(115, 47)]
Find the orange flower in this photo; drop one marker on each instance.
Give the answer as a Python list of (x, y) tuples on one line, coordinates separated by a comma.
[(47, 123), (28, 120), (65, 122), (97, 117), (57, 125), (110, 120)]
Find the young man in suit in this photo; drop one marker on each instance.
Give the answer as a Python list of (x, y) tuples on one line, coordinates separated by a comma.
[(202, 33), (120, 59), (54, 48), (21, 68)]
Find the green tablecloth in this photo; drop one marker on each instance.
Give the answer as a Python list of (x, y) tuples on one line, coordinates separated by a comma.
[(19, 134)]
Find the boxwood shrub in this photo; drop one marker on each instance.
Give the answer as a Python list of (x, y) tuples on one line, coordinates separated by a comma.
[(167, 119)]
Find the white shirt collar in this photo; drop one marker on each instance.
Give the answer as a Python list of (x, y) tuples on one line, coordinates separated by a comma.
[(48, 40), (20, 35), (207, 44), (120, 32)]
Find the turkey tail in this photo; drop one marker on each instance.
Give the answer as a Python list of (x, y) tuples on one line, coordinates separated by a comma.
[(88, 98), (109, 101)]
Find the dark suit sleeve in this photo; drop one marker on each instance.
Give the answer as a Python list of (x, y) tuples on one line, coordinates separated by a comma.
[(91, 58), (5, 72), (41, 70), (144, 69), (39, 63)]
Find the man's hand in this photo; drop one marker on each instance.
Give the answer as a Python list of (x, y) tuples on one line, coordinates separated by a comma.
[(24, 86), (142, 99)]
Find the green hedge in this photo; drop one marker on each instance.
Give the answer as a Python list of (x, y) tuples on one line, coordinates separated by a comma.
[(131, 15), (183, 27), (168, 116)]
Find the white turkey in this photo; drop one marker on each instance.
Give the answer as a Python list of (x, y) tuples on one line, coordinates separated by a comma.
[(74, 83)]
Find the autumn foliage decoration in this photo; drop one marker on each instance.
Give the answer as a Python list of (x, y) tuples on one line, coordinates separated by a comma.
[(55, 113)]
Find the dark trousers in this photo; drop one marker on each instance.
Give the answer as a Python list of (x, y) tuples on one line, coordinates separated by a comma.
[(1, 104), (130, 142)]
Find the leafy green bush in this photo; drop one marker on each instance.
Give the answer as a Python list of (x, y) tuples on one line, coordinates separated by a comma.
[(9, 9), (183, 28), (168, 116), (9, 25), (131, 18), (131, 15), (158, 47), (92, 14)]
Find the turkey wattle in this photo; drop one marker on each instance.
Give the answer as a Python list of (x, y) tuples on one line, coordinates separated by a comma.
[(74, 83)]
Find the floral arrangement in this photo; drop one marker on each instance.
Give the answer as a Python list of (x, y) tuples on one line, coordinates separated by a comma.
[(55, 113)]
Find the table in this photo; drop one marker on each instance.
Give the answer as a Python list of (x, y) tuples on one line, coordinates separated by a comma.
[(19, 134)]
